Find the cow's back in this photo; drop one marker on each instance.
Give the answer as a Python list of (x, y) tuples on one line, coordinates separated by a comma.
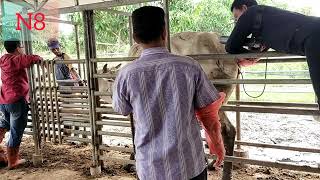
[(192, 43)]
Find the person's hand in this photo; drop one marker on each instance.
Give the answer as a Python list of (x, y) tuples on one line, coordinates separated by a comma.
[(220, 153), (263, 48), (247, 61), (41, 60)]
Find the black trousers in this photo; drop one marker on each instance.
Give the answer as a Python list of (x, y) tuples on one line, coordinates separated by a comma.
[(202, 176), (312, 52)]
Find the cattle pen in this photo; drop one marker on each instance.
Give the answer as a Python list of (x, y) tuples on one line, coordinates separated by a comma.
[(80, 114)]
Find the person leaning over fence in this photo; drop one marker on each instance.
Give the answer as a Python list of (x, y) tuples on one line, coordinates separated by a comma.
[(164, 92), (63, 71), (281, 30), (14, 99)]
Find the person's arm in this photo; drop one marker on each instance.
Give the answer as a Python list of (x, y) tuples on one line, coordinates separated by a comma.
[(209, 116), (120, 97), (239, 35), (66, 57), (25, 61), (207, 104)]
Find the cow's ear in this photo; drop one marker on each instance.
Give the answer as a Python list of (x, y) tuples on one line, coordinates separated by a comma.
[(105, 68), (118, 66)]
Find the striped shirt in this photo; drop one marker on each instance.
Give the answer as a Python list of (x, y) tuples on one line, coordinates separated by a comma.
[(162, 91)]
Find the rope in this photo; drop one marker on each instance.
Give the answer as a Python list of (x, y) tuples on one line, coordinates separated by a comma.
[(264, 87)]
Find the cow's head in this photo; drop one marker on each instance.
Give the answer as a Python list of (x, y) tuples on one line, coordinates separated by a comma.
[(106, 84), (112, 70)]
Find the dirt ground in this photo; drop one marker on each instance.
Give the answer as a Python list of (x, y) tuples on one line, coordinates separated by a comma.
[(71, 161)]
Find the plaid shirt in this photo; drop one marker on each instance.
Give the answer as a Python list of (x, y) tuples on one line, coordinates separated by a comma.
[(162, 91)]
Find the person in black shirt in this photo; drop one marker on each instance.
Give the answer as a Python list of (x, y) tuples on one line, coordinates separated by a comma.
[(281, 30)]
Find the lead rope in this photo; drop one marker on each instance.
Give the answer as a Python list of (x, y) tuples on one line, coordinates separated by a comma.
[(264, 87)]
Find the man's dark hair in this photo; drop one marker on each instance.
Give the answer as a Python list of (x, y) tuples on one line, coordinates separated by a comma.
[(239, 3), (148, 23), (11, 44)]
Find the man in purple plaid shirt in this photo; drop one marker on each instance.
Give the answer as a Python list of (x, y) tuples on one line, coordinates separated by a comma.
[(163, 91)]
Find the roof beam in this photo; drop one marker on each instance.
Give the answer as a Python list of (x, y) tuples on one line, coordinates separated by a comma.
[(59, 21), (50, 20), (76, 2), (42, 4), (122, 13), (36, 4), (95, 6), (22, 3)]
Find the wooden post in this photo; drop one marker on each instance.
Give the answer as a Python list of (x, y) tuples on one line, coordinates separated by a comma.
[(239, 152), (130, 31), (49, 68), (46, 101), (76, 29), (166, 9), (37, 158), (55, 87), (40, 77), (238, 117), (90, 47)]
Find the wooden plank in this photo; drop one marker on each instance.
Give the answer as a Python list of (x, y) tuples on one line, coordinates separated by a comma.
[(74, 106), (232, 81), (278, 104), (75, 111), (74, 116), (74, 120), (115, 118), (114, 134), (299, 149), (108, 123), (120, 59), (107, 111), (71, 61), (69, 100), (97, 93), (282, 60), (73, 96), (109, 76), (113, 148), (269, 164), (67, 81), (267, 56), (261, 81), (69, 123), (77, 139), (28, 133), (272, 110), (270, 54), (71, 91), (69, 131)]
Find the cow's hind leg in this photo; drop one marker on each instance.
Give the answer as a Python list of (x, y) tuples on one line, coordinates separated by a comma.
[(228, 135), (228, 132)]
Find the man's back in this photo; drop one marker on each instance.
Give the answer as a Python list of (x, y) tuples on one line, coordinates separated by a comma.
[(14, 77), (282, 30), (279, 27), (163, 91)]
